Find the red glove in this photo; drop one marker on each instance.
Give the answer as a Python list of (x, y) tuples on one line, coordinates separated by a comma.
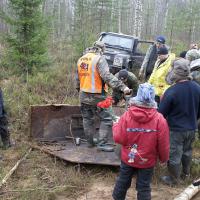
[(105, 103)]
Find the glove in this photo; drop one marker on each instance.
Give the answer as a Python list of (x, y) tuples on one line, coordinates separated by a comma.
[(105, 103), (126, 90), (78, 89)]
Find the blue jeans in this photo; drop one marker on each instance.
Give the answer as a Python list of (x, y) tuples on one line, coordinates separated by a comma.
[(123, 182)]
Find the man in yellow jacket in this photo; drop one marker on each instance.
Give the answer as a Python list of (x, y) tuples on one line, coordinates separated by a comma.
[(161, 68), (93, 79)]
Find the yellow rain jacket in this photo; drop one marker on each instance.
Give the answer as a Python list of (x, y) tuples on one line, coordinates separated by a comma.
[(157, 78)]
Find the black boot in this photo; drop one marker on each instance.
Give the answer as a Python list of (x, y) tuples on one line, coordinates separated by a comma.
[(4, 132), (174, 175)]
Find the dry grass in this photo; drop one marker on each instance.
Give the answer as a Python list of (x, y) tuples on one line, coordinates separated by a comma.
[(41, 177)]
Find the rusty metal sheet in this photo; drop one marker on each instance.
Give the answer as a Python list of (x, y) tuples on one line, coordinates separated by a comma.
[(82, 154), (54, 123)]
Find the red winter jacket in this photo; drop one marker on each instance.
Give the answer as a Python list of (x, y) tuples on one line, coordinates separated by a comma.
[(144, 136)]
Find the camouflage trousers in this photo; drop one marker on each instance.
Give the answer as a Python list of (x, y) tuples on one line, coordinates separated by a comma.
[(88, 113)]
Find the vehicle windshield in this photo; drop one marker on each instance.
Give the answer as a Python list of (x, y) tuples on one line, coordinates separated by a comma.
[(117, 41)]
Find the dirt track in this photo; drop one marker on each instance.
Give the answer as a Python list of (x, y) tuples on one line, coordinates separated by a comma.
[(40, 171), (103, 190)]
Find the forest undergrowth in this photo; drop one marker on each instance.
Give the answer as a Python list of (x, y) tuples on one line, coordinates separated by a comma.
[(41, 176)]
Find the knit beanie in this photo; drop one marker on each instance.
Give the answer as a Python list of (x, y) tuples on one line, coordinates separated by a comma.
[(162, 51), (180, 70), (145, 96)]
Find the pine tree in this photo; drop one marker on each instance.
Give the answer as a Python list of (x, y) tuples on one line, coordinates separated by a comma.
[(27, 40)]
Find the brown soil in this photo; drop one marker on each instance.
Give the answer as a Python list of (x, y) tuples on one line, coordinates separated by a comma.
[(42, 177)]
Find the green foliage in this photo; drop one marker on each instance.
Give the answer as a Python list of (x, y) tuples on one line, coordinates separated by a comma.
[(49, 86), (182, 26), (27, 41)]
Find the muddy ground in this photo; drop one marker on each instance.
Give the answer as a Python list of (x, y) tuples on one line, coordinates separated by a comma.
[(43, 177)]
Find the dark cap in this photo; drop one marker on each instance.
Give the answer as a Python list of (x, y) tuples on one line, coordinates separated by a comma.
[(123, 74), (162, 51), (160, 39)]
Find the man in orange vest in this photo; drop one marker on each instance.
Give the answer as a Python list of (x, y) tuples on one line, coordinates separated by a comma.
[(92, 79)]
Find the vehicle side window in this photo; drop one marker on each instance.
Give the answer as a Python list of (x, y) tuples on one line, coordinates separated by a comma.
[(142, 47)]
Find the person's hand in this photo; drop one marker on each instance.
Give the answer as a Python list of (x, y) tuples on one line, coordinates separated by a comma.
[(163, 164), (127, 90)]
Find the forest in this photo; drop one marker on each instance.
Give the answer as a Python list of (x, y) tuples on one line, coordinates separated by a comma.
[(81, 21), (40, 43)]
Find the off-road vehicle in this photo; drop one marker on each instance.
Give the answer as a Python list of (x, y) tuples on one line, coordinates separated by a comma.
[(124, 51)]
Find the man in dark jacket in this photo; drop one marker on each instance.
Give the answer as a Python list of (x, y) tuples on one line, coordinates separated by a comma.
[(144, 136), (180, 105), (150, 58)]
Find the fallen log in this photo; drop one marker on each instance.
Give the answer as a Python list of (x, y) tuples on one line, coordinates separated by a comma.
[(188, 193), (14, 168)]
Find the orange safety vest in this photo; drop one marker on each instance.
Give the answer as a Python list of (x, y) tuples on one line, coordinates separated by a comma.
[(90, 79)]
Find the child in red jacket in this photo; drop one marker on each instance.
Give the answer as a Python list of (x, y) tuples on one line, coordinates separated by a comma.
[(144, 136)]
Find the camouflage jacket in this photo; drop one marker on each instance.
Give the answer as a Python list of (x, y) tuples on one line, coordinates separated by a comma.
[(132, 83), (107, 77)]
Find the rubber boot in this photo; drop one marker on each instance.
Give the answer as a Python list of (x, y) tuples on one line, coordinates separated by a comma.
[(90, 141), (174, 175), (186, 164)]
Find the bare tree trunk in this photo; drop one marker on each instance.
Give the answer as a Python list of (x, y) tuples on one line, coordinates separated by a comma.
[(138, 18), (119, 16), (101, 16)]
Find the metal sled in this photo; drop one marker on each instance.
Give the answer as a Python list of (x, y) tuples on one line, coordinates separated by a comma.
[(56, 128)]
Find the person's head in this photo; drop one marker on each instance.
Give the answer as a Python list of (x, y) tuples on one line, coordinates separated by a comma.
[(160, 41), (193, 46), (192, 54), (180, 70), (182, 54), (145, 97), (99, 46), (162, 53), (123, 75)]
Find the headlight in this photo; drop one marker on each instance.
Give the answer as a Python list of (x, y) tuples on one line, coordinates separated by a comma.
[(118, 61)]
